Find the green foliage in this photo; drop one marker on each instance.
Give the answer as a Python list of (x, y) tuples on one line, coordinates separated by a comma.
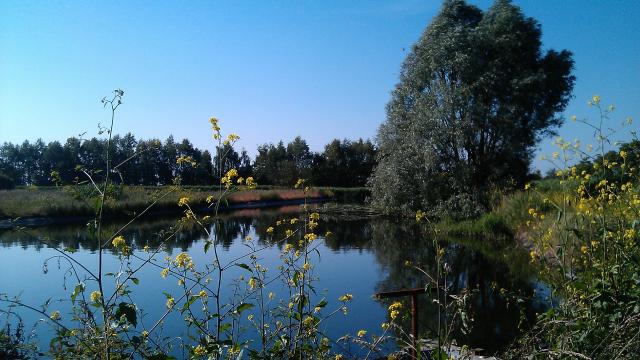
[(587, 245), (6, 182), (13, 345), (475, 95)]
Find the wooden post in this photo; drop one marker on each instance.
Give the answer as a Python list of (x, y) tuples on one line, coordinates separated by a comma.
[(414, 311)]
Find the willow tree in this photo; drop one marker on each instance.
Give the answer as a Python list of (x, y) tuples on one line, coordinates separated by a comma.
[(476, 94)]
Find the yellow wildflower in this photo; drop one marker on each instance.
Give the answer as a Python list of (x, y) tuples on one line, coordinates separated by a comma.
[(394, 309), (164, 272), (170, 302), (345, 297), (362, 333), (95, 296), (250, 182), (270, 230), (183, 260), (203, 294), (299, 183), (183, 201), (419, 215), (306, 266), (118, 241), (252, 283), (310, 237), (200, 350), (187, 160), (55, 315)]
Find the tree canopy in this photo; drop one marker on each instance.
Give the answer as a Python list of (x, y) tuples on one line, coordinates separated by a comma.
[(476, 94)]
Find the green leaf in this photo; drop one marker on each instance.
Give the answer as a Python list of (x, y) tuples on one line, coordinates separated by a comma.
[(322, 304), (244, 266), (77, 290), (244, 306), (135, 281), (188, 303)]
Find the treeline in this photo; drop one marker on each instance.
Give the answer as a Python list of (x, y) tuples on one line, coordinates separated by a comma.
[(153, 162)]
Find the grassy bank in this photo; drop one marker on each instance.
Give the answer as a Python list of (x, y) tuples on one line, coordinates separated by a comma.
[(126, 200), (509, 214)]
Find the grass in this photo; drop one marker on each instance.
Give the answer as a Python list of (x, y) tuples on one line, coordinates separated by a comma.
[(80, 201), (509, 213)]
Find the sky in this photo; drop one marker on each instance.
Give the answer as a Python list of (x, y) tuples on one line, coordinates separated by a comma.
[(269, 70)]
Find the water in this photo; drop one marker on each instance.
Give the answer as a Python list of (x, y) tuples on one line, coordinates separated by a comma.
[(362, 257)]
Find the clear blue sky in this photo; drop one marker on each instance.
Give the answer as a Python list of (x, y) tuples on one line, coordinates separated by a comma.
[(269, 70)]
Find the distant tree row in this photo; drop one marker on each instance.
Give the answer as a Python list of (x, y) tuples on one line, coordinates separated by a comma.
[(153, 162)]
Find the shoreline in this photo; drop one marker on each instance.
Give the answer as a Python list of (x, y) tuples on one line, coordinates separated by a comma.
[(37, 221)]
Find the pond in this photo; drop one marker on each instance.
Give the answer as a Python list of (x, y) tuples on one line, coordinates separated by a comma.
[(361, 257)]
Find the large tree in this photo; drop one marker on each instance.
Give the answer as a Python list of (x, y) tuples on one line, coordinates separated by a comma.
[(476, 94)]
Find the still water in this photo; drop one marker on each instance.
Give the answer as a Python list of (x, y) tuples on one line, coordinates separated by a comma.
[(362, 257)]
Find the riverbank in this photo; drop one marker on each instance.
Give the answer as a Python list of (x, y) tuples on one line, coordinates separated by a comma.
[(33, 206)]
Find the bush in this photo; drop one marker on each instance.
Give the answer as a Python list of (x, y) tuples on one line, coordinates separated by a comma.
[(6, 182)]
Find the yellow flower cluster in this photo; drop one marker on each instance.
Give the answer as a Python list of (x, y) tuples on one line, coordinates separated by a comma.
[(185, 160), (227, 179), (394, 310), (231, 139), (345, 297), (250, 182), (215, 127), (183, 201), (299, 183), (253, 282), (200, 350), (95, 296), (183, 260), (118, 241)]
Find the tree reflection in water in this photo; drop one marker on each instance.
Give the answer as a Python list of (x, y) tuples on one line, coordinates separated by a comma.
[(488, 269)]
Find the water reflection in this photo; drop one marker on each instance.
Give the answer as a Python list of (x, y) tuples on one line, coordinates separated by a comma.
[(485, 268)]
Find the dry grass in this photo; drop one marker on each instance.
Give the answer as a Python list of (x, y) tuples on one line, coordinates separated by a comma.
[(67, 201)]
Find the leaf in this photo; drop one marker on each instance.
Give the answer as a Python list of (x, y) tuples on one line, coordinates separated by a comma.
[(135, 281), (244, 266), (188, 303), (322, 304), (244, 306), (207, 244), (224, 327), (128, 311), (77, 290)]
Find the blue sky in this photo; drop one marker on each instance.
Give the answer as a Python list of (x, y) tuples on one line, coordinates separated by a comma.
[(269, 70)]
